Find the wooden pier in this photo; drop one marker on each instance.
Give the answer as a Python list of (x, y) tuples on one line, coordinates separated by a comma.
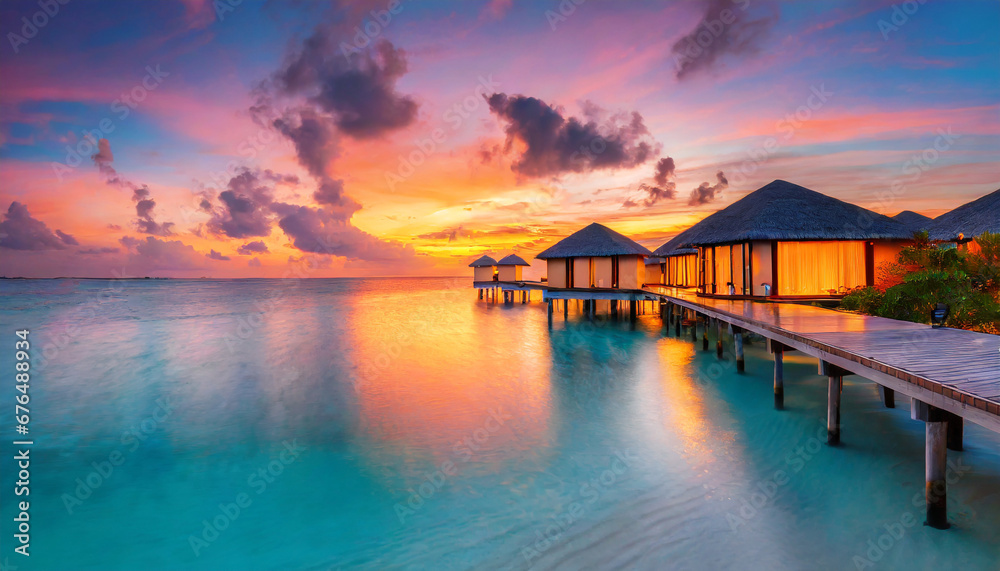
[(949, 374)]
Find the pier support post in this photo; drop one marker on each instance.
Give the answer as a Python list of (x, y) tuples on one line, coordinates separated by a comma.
[(550, 314), (718, 340), (677, 320), (836, 375), (779, 379), (836, 388), (631, 310), (956, 425), (565, 309), (694, 325), (738, 341), (704, 333), (778, 350), (936, 457), (480, 293), (888, 396)]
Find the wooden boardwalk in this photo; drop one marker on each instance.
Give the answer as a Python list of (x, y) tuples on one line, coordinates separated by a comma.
[(952, 369)]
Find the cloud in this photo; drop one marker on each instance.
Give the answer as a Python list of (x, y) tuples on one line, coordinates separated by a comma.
[(359, 93), (103, 159), (144, 222), (662, 189), (66, 238), (318, 231), (156, 254), (254, 263), (553, 144), (706, 192), (725, 29), (213, 255), (20, 231), (245, 210), (97, 251), (250, 248)]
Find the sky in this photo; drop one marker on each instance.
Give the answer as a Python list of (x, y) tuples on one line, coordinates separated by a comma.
[(228, 139)]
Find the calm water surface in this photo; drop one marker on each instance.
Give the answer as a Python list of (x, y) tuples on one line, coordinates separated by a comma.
[(404, 424)]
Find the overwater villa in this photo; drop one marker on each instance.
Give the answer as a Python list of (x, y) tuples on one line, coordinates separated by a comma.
[(654, 270), (915, 221), (484, 269), (509, 268), (785, 240), (966, 222), (680, 264), (596, 257)]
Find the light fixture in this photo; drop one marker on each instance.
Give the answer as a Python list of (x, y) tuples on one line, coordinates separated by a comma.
[(938, 315)]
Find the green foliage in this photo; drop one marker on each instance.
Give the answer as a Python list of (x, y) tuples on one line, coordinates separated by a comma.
[(968, 283)]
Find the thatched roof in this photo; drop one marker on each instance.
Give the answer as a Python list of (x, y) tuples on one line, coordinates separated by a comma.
[(913, 220), (653, 261), (673, 247), (483, 262), (970, 219), (594, 240), (781, 210), (512, 260)]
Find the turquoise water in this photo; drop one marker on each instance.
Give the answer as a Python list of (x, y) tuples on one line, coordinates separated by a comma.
[(404, 424)]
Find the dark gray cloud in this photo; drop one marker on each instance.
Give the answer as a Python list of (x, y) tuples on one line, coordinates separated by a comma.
[(103, 159), (665, 170), (251, 248), (98, 251), (318, 231), (245, 210), (67, 239), (359, 93), (726, 28), (662, 189), (554, 144), (706, 192), (20, 231), (213, 255), (144, 222)]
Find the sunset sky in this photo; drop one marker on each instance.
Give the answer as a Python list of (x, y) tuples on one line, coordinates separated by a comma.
[(195, 138)]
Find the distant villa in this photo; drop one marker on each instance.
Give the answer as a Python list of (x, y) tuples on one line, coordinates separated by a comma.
[(781, 241)]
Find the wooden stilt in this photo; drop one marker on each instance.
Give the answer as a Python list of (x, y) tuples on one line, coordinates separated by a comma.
[(936, 458), (480, 293), (779, 380), (632, 309), (704, 333), (833, 409), (956, 426), (677, 321), (694, 325), (738, 341), (550, 313), (718, 340), (565, 309), (888, 396)]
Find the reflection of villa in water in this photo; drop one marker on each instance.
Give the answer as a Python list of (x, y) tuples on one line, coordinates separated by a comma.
[(749, 268)]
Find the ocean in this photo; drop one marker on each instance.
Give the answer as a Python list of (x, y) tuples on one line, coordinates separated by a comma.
[(405, 424)]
